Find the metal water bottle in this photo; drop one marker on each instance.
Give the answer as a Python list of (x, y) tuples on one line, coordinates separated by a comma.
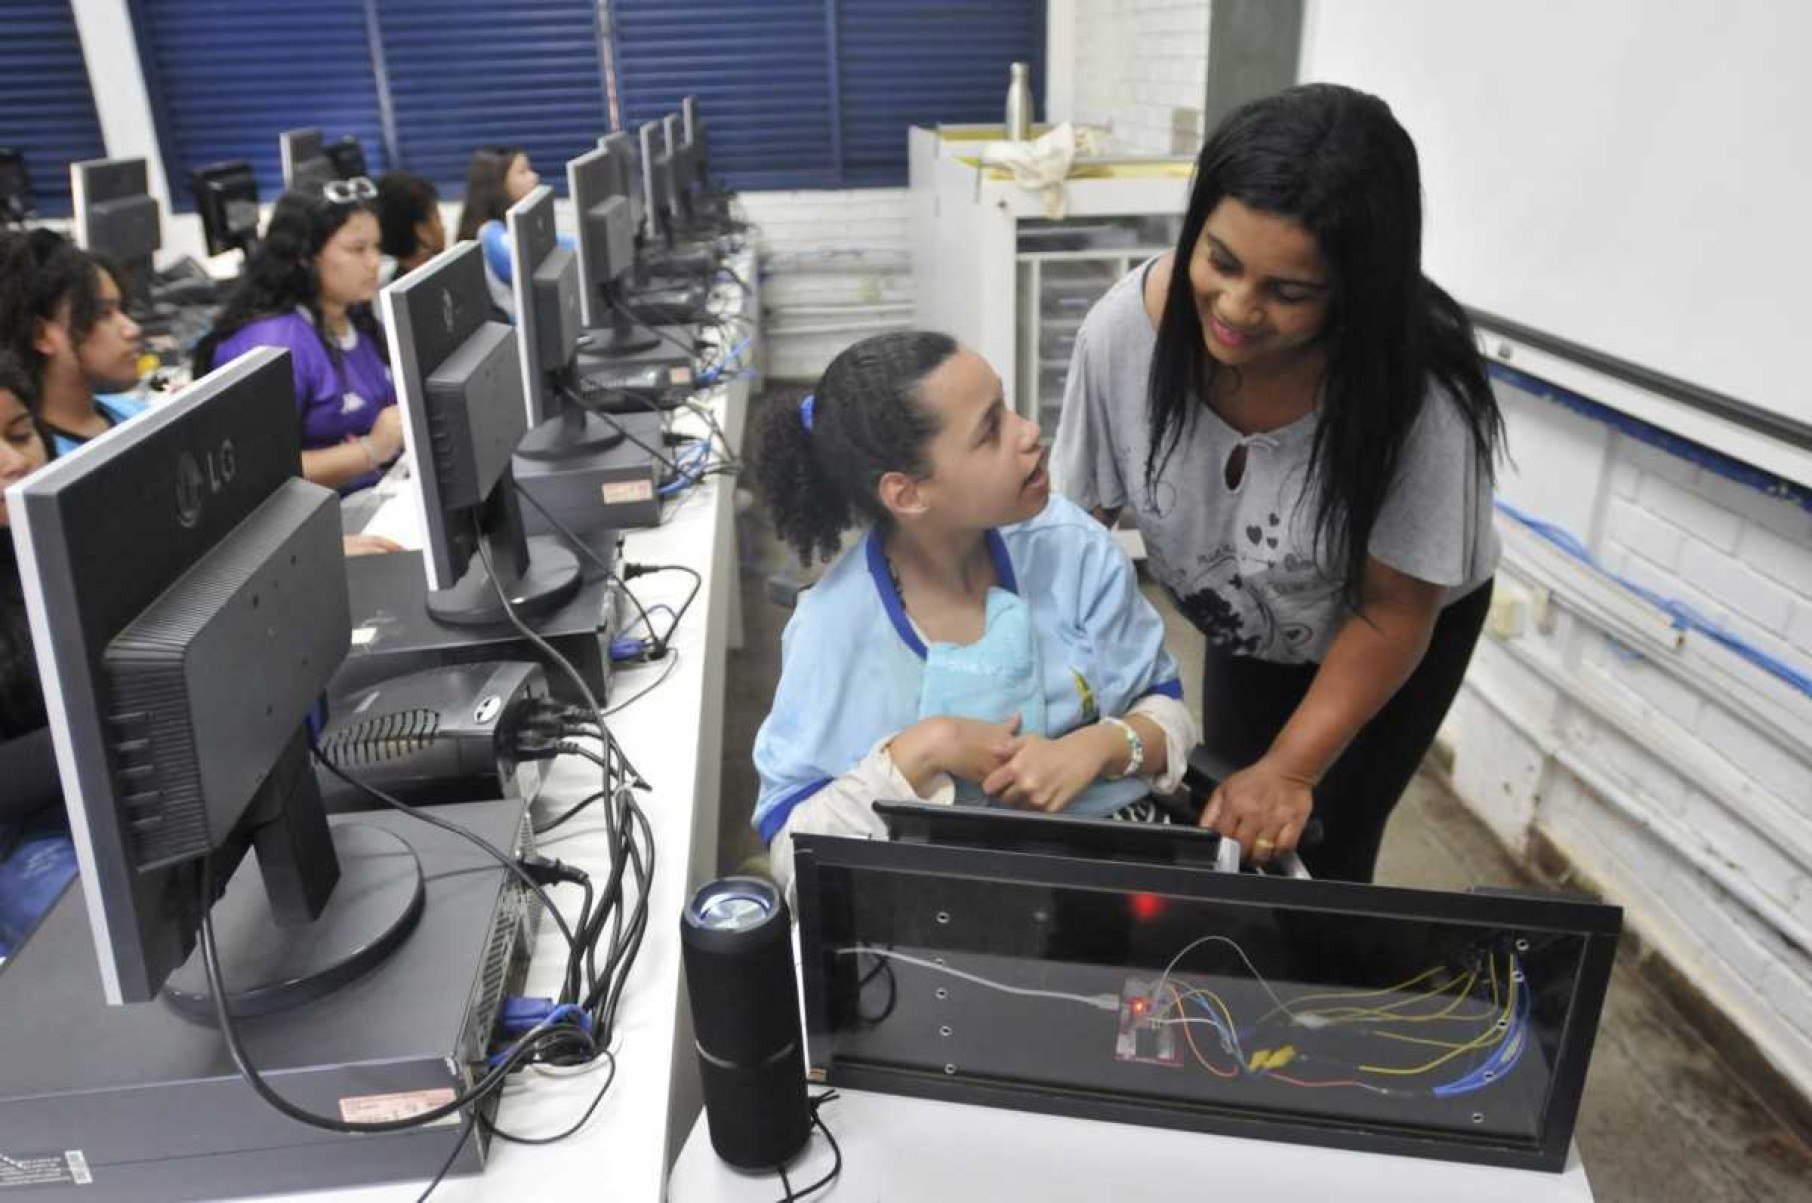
[(1019, 103)]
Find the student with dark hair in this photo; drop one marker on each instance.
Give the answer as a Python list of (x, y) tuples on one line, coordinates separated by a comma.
[(410, 230), (36, 858), (498, 177), (62, 320), (981, 639), (1303, 430), (308, 288)]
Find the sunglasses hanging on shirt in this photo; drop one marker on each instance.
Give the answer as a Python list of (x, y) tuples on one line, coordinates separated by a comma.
[(349, 192)]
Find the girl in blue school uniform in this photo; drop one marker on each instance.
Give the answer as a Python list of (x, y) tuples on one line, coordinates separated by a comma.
[(981, 642)]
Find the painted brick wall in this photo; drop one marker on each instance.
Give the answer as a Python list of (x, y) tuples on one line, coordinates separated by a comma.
[(1136, 63), (834, 267), (1681, 782)]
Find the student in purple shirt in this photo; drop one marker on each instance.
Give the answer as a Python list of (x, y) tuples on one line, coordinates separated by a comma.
[(308, 288)]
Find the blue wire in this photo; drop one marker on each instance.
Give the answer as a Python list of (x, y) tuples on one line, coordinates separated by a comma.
[(1505, 1056), (1684, 616)]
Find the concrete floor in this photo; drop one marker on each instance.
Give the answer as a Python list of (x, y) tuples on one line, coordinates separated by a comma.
[(1664, 1117)]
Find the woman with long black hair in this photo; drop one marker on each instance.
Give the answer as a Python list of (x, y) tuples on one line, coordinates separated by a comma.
[(308, 288), (1302, 428)]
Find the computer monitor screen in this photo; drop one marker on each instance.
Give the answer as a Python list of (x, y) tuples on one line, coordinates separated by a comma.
[(625, 154), (679, 166), (606, 233), (548, 316), (348, 158), (656, 180), (226, 196), (459, 382), (116, 216), (305, 163), (187, 597), (15, 187)]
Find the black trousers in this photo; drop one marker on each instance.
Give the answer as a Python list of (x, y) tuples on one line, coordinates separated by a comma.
[(1245, 703)]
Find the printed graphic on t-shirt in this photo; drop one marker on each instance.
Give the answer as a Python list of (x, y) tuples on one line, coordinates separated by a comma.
[(351, 403), (1250, 596)]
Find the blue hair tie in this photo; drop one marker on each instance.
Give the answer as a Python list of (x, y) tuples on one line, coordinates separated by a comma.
[(808, 410)]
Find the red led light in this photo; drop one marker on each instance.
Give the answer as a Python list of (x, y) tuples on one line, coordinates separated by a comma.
[(1146, 907)]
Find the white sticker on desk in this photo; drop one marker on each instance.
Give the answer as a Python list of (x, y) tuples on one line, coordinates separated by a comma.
[(364, 636), (386, 1108), (625, 492), (66, 1168)]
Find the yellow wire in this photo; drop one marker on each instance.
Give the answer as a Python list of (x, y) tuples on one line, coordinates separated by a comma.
[(1385, 1015), (1491, 1035), (1426, 973)]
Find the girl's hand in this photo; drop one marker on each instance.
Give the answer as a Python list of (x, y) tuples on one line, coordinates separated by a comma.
[(963, 747), (1263, 807), (1048, 774)]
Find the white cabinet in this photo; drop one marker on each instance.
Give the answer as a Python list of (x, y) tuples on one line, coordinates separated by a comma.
[(990, 269)]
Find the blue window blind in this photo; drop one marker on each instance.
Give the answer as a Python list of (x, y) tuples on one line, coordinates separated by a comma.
[(470, 73), (763, 75), (820, 93), (226, 79), (46, 107), (902, 63)]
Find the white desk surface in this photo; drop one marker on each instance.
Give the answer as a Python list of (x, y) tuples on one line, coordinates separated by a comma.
[(905, 1150), (674, 736)]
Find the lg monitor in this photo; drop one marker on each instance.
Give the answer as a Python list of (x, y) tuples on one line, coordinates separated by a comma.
[(459, 382), (186, 590), (306, 166), (606, 254), (116, 216), (656, 181), (226, 197), (348, 158), (626, 156), (549, 323), (15, 187)]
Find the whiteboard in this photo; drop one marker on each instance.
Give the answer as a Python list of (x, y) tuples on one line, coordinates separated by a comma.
[(1634, 176)]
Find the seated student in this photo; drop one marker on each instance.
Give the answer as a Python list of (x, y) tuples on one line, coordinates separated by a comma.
[(308, 288), (61, 317), (36, 859), (983, 640), (497, 177), (410, 230)]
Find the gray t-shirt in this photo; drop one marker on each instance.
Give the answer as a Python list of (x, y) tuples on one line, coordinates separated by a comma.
[(1242, 562)]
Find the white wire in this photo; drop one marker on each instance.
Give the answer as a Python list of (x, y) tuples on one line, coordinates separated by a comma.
[(1101, 1002), (1253, 969)]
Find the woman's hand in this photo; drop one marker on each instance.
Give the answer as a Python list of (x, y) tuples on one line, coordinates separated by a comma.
[(1263, 807), (963, 747), (1047, 774)]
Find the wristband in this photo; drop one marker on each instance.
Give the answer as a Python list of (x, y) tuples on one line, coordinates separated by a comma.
[(1135, 749), (365, 446)]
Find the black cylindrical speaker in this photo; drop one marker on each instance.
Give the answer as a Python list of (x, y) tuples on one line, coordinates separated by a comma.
[(736, 937)]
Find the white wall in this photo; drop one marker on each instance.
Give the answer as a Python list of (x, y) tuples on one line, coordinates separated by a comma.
[(1137, 67), (1678, 779)]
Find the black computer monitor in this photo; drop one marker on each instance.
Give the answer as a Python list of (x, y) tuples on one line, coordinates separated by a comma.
[(186, 590), (348, 158), (306, 166), (116, 216), (226, 196), (606, 254), (687, 191), (459, 381), (548, 325), (626, 155), (15, 187), (656, 181)]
